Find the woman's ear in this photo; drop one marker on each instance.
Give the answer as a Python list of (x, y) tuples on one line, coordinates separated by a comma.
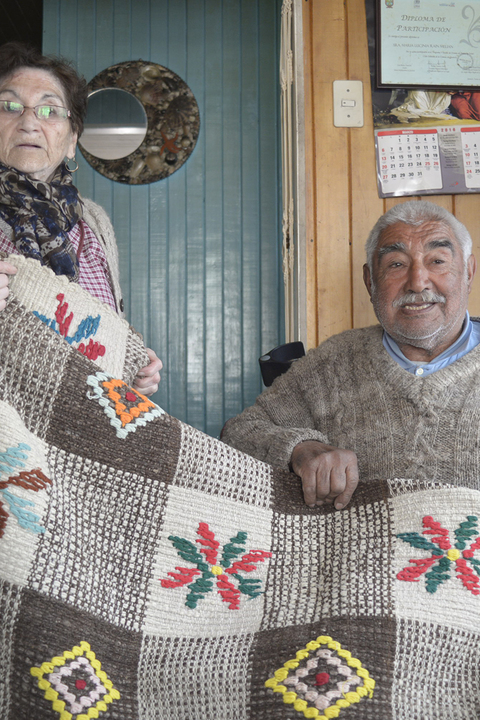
[(72, 147)]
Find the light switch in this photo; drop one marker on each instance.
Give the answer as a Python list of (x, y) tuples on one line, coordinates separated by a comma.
[(348, 103)]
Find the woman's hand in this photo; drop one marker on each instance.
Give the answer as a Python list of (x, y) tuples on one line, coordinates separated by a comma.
[(5, 271), (148, 377)]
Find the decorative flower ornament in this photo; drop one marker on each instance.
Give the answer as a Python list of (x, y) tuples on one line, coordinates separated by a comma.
[(437, 566), (225, 572)]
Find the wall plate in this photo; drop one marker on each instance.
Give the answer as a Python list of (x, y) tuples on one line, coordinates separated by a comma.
[(348, 103)]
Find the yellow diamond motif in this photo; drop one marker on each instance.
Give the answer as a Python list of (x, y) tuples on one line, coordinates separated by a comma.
[(75, 684), (322, 680)]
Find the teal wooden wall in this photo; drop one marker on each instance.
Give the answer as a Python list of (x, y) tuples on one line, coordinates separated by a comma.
[(200, 251)]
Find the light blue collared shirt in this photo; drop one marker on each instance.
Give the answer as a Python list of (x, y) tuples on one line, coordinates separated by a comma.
[(469, 338)]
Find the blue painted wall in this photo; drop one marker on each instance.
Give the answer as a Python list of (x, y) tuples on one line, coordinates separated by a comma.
[(200, 252)]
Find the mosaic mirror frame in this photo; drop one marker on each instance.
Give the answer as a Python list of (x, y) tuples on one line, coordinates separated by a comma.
[(173, 122)]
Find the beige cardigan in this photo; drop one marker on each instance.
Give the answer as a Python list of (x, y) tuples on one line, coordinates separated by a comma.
[(98, 220)]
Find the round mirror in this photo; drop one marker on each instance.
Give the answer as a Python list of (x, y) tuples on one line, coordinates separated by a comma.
[(116, 124), (172, 122)]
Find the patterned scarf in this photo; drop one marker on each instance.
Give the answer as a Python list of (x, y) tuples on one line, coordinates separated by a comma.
[(41, 215)]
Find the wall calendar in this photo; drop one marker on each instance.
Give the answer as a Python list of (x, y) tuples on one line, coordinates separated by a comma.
[(430, 160)]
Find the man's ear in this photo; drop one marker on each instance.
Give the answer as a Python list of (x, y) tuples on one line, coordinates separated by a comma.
[(471, 270), (367, 279)]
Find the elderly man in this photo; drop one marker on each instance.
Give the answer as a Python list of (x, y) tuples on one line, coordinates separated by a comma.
[(399, 399)]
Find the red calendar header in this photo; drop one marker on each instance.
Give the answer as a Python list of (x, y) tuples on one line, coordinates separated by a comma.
[(431, 131)]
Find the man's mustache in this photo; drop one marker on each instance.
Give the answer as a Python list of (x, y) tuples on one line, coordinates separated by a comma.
[(426, 296)]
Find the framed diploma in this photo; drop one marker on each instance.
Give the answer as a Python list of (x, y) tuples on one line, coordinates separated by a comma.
[(431, 44)]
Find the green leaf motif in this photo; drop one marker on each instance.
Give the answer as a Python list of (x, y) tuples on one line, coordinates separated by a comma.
[(466, 531), (188, 551), (417, 541), (437, 575), (231, 551), (249, 586), (475, 563)]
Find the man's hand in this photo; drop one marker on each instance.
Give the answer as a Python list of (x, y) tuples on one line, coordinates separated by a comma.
[(5, 270), (328, 474), (148, 377)]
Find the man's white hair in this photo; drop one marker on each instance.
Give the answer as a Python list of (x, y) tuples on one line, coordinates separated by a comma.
[(416, 212)]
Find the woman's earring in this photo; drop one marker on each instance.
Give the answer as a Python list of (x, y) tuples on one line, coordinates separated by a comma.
[(71, 170)]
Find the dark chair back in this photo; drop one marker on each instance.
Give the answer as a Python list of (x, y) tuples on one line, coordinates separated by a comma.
[(278, 360)]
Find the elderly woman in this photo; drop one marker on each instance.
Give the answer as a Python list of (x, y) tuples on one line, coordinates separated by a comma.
[(42, 108)]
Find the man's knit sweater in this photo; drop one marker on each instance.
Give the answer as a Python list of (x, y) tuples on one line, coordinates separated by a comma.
[(350, 393)]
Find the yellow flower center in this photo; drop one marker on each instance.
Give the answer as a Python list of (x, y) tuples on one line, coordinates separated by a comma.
[(453, 554), (217, 570)]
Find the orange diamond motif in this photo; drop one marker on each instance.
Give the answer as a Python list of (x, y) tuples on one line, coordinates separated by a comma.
[(126, 408)]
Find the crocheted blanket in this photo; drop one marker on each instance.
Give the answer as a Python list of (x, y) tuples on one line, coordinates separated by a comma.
[(148, 571)]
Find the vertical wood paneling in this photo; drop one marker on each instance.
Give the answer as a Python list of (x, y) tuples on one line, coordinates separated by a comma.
[(139, 257), (467, 210), (232, 209), (121, 222), (51, 24), (364, 195), (342, 198), (177, 261), (86, 36), (331, 190), (122, 29), (214, 250), (159, 275), (177, 258), (250, 188), (270, 166), (199, 252), (311, 251), (196, 232)]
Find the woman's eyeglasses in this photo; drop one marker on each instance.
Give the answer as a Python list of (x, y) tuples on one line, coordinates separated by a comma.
[(46, 113)]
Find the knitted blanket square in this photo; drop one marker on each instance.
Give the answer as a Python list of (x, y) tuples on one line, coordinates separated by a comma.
[(150, 572)]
